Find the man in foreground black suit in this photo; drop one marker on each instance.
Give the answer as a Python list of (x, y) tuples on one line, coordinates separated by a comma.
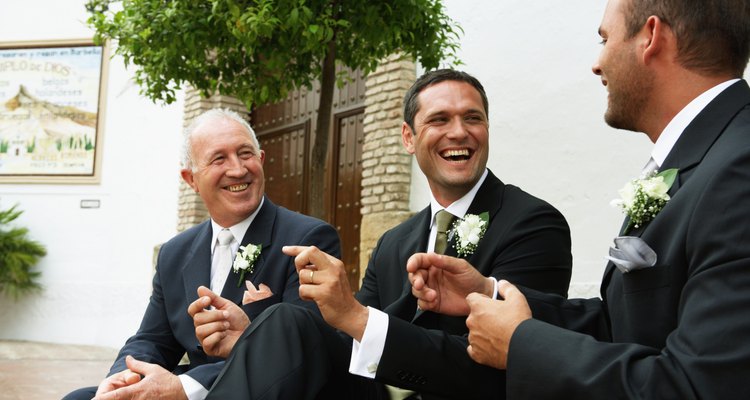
[(224, 164), (292, 354), (674, 324)]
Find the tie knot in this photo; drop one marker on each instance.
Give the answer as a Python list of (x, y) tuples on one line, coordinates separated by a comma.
[(443, 220), (225, 237)]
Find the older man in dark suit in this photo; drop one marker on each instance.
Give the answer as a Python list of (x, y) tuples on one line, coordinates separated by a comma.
[(673, 320), (508, 234), (224, 165)]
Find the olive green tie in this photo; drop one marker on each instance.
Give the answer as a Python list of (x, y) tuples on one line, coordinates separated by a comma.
[(443, 221)]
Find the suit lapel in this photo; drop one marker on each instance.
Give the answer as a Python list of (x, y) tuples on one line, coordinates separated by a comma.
[(259, 232), (197, 270), (489, 199), (414, 242), (704, 130)]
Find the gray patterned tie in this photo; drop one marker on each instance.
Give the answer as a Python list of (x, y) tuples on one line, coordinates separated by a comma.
[(222, 260)]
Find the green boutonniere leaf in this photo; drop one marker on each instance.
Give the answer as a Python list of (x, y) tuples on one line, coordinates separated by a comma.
[(669, 176)]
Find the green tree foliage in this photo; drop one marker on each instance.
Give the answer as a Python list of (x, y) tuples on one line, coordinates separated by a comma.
[(18, 254), (258, 50)]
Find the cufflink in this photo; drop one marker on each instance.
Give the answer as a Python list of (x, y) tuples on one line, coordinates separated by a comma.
[(372, 368)]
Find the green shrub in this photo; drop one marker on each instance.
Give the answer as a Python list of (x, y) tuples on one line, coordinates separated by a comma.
[(18, 255)]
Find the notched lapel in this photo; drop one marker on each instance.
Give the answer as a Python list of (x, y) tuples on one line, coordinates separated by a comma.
[(704, 130), (197, 269), (406, 306), (489, 199)]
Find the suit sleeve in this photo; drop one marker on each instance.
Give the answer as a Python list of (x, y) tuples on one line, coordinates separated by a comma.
[(154, 341), (531, 249), (705, 356)]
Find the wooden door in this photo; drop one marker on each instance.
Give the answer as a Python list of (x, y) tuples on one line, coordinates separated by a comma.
[(285, 132)]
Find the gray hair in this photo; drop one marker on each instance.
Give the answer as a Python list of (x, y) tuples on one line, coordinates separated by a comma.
[(210, 115)]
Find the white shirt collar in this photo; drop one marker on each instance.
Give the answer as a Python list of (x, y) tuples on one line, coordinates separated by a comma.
[(677, 125), (460, 206), (238, 230)]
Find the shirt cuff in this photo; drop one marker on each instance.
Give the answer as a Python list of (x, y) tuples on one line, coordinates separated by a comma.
[(494, 293), (193, 389), (366, 355)]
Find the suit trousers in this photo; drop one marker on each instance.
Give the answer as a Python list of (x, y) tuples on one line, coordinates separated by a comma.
[(289, 352)]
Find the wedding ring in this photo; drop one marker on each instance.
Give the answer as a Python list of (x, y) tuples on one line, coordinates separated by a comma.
[(312, 274)]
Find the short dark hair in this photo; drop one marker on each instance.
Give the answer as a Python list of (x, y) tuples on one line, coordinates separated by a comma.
[(713, 36), (411, 104)]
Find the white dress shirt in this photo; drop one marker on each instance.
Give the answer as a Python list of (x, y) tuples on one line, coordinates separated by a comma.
[(366, 354), (193, 389)]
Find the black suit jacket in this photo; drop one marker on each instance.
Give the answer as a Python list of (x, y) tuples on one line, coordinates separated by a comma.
[(184, 263), (526, 241), (678, 330)]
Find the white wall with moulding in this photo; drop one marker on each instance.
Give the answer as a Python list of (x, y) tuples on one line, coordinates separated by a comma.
[(97, 273)]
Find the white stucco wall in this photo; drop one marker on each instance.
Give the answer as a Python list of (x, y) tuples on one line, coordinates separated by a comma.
[(97, 273), (548, 134)]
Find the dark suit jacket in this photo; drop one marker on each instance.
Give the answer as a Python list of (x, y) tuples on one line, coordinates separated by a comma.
[(678, 330), (526, 241), (184, 263)]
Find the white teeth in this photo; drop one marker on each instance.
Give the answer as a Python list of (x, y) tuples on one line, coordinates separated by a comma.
[(454, 153), (237, 188)]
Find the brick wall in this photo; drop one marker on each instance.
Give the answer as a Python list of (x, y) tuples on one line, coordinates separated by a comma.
[(386, 166)]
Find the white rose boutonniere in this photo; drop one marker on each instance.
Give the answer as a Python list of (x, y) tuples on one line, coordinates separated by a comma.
[(244, 262), (468, 232), (641, 199)]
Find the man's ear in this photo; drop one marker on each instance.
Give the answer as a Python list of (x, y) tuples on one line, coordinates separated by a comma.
[(655, 34), (407, 137), (187, 176)]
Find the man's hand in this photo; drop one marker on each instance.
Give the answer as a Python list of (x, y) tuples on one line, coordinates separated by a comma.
[(157, 383), (322, 279), (217, 329), (491, 324), (118, 380), (441, 283)]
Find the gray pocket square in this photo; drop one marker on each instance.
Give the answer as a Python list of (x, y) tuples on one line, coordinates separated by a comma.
[(631, 253)]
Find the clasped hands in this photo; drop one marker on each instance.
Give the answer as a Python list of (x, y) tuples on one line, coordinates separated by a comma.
[(451, 286)]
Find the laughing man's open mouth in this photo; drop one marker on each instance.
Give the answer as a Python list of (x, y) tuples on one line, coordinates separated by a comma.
[(456, 154)]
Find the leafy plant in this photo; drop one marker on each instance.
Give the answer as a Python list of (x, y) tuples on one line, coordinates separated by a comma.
[(18, 255), (259, 50)]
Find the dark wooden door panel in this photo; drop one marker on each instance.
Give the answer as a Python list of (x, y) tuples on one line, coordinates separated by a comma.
[(285, 132), (285, 166)]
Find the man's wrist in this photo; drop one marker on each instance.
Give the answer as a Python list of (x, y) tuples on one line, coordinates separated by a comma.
[(356, 323)]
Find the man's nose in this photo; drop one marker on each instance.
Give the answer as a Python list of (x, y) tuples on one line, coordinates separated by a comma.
[(456, 128), (236, 167), (596, 69)]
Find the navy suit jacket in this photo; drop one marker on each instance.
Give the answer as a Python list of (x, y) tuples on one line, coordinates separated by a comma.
[(679, 329), (527, 241), (184, 263)]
